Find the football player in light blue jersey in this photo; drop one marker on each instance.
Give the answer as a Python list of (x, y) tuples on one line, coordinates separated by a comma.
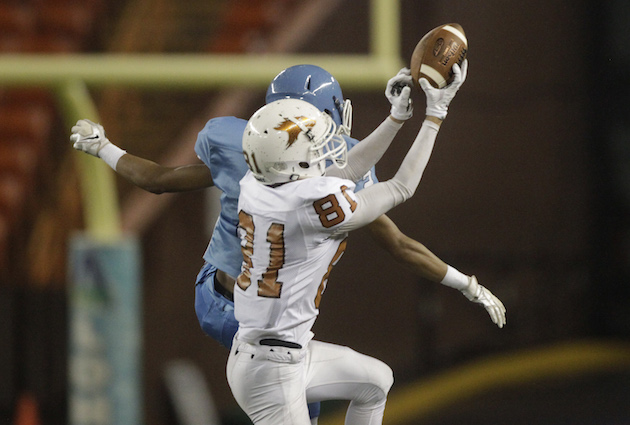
[(219, 146)]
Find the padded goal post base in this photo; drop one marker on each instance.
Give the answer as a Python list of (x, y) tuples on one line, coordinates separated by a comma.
[(105, 331)]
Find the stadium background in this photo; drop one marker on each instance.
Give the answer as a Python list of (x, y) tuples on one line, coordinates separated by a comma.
[(527, 188)]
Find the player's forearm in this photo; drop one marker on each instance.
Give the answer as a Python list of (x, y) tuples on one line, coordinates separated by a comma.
[(415, 162), (368, 152), (414, 255), (407, 251), (156, 178), (141, 172), (427, 265), (424, 263), (384, 196), (417, 257)]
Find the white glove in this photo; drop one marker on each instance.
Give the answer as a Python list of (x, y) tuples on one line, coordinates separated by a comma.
[(439, 99), (398, 93), (480, 295), (89, 137)]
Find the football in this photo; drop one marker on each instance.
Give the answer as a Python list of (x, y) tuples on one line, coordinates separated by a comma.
[(436, 52)]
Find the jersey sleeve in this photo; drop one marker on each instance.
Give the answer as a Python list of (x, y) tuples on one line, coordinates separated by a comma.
[(332, 204), (202, 146), (222, 133)]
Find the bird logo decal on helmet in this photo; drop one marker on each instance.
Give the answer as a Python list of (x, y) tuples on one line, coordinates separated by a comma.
[(294, 126)]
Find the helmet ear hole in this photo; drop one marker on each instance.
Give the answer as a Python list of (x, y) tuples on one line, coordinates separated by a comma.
[(304, 164)]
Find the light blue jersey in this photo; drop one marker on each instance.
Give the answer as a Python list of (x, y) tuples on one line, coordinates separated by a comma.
[(219, 146)]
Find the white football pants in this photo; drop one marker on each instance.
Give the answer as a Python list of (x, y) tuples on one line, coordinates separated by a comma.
[(273, 384)]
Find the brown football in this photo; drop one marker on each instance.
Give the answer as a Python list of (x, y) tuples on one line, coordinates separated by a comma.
[(436, 52)]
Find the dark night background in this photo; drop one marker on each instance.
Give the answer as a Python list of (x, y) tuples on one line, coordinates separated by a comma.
[(528, 188)]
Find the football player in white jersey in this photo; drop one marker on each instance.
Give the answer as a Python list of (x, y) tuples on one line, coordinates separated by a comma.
[(219, 146), (294, 217)]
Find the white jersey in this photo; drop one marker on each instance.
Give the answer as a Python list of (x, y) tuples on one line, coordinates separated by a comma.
[(290, 244)]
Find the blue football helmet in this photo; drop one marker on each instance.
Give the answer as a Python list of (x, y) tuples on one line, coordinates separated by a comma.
[(316, 86)]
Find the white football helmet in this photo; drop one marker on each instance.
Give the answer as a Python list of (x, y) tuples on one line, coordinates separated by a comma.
[(290, 139)]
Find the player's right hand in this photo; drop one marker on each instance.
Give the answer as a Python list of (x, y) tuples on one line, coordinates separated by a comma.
[(439, 99), (398, 92), (89, 137)]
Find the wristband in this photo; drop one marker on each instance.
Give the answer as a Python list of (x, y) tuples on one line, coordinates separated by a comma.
[(455, 279), (111, 153)]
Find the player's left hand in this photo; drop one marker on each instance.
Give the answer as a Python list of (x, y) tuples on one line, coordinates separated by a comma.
[(480, 295), (438, 100), (89, 137), (398, 92)]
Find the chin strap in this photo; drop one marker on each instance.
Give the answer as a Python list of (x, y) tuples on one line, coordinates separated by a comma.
[(346, 119)]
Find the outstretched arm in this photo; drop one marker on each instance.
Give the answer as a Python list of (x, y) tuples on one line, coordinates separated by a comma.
[(157, 178), (423, 262), (378, 199), (367, 153), (90, 137), (407, 251)]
